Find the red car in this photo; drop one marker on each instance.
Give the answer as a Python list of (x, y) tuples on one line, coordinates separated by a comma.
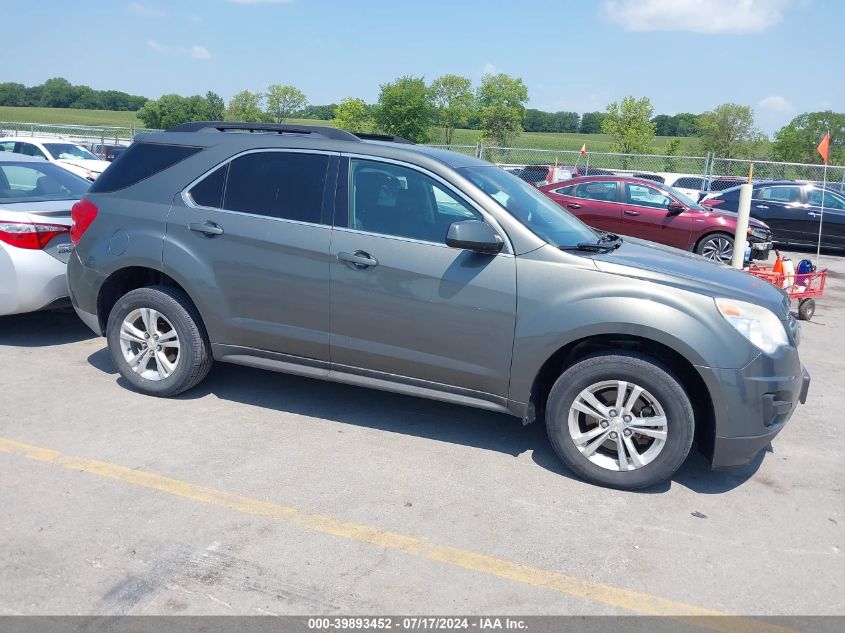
[(656, 212)]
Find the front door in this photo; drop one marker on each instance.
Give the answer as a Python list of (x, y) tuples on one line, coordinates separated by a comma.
[(833, 221), (253, 235), (645, 214), (406, 307)]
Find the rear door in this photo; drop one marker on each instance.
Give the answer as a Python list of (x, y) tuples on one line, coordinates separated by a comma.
[(594, 203), (645, 214), (781, 207), (254, 236), (404, 305), (832, 223)]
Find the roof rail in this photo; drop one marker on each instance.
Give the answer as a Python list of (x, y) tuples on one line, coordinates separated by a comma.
[(367, 136), (280, 128)]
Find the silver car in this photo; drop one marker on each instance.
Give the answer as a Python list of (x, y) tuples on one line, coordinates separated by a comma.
[(35, 202)]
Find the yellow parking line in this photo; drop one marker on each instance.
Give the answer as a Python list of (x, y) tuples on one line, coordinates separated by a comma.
[(615, 596)]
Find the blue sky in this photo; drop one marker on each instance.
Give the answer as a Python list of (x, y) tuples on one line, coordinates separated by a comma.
[(782, 57)]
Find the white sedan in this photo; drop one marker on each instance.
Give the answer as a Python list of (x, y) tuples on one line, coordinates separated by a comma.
[(69, 156), (35, 203)]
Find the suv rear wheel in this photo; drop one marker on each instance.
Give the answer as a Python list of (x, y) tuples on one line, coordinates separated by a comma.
[(620, 420), (157, 341)]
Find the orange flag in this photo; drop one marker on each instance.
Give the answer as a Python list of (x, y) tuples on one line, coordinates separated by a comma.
[(824, 147), (584, 149)]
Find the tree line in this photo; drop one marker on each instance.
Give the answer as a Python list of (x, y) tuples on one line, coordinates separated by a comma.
[(60, 93), (411, 108)]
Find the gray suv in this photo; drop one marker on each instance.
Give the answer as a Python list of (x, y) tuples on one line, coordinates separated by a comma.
[(372, 261)]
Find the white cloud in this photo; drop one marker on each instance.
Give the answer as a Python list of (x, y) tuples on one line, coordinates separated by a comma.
[(696, 16), (489, 69), (776, 103), (156, 46), (200, 52), (146, 11)]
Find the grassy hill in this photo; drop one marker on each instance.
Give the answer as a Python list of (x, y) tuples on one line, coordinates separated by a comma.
[(536, 140)]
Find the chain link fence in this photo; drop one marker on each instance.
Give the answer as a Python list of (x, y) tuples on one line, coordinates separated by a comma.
[(705, 172), (79, 133)]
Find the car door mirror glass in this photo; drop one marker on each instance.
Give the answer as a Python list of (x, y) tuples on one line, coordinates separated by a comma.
[(474, 235)]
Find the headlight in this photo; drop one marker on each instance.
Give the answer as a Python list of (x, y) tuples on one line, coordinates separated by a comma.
[(760, 234), (757, 324)]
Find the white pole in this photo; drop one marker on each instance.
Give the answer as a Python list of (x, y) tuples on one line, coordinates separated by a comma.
[(741, 235), (821, 218)]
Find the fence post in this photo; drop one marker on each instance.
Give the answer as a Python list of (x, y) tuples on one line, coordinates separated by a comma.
[(478, 151)]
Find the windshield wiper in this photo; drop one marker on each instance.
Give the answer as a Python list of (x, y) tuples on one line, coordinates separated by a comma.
[(606, 243)]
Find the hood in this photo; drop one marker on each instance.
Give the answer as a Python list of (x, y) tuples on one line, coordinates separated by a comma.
[(715, 212), (673, 267), (96, 166)]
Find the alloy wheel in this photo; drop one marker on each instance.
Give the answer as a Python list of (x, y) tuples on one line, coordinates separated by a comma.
[(618, 425), (149, 343), (719, 249)]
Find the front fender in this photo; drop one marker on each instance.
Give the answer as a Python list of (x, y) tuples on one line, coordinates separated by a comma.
[(561, 305)]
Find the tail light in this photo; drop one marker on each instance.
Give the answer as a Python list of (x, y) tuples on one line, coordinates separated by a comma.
[(83, 213), (29, 235)]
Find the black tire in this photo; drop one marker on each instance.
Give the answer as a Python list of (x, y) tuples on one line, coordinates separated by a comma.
[(711, 242), (641, 370), (195, 356), (806, 309)]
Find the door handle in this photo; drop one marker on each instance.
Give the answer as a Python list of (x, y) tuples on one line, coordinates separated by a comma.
[(630, 212), (573, 205), (209, 229), (762, 206), (358, 259), (813, 214)]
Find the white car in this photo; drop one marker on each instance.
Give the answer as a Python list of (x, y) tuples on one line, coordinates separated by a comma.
[(70, 156), (35, 222), (693, 187)]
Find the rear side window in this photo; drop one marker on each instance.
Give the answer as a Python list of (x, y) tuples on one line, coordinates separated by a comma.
[(283, 185), (781, 194), (138, 162), (603, 191), (208, 192)]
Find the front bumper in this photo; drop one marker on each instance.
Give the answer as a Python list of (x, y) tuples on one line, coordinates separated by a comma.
[(752, 405)]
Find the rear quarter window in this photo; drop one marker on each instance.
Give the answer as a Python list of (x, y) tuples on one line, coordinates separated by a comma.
[(139, 162)]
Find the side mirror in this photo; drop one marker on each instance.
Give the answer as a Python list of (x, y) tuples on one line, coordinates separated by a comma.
[(675, 208), (474, 235)]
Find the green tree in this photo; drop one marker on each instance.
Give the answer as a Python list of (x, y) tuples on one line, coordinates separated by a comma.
[(354, 115), (58, 93), (591, 122), (501, 107), (404, 109), (629, 123), (322, 112), (216, 106), (283, 101), (246, 106), (728, 131), (797, 140), (673, 148), (453, 103), (170, 110), (12, 94)]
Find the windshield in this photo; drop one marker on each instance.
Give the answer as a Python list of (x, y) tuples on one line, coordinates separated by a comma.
[(68, 151), (34, 182), (529, 206), (682, 197)]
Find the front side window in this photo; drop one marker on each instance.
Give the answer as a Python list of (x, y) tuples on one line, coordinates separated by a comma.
[(284, 185), (831, 200), (601, 191), (781, 194), (645, 196), (394, 200)]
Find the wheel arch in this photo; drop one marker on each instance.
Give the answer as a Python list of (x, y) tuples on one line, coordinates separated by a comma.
[(129, 278), (675, 362)]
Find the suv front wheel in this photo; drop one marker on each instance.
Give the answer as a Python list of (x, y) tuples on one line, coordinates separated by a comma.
[(620, 420), (157, 341)]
